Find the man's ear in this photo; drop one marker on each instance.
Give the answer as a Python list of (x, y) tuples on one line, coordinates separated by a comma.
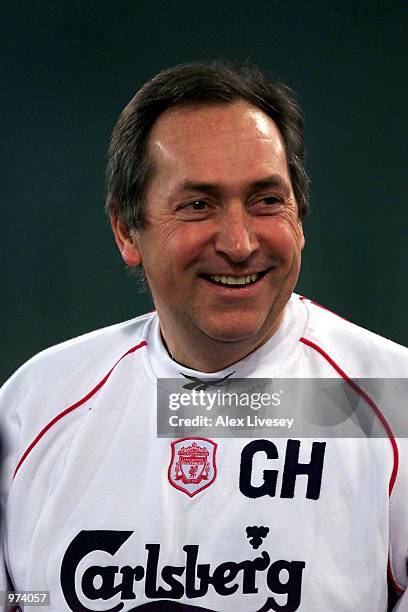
[(302, 236), (127, 242)]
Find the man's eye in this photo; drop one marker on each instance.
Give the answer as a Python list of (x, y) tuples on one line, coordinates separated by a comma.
[(271, 201), (266, 205), (195, 210), (197, 205)]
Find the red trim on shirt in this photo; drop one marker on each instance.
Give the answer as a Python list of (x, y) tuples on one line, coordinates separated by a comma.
[(391, 578), (73, 406), (383, 421), (369, 401), (302, 297)]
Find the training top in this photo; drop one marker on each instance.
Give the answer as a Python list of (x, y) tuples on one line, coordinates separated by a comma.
[(107, 516)]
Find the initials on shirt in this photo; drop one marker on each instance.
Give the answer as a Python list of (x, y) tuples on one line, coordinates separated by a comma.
[(292, 468)]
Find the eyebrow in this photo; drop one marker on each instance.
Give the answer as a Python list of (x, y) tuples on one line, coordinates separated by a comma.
[(274, 180)]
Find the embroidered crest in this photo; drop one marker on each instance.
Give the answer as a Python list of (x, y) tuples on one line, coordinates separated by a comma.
[(192, 466)]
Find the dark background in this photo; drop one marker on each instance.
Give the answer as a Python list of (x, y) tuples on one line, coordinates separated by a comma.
[(70, 67)]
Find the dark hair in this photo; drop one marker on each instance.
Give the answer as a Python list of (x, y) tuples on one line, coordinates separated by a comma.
[(129, 165)]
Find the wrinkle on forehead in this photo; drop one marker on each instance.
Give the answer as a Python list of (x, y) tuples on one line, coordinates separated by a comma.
[(227, 143), (170, 155), (175, 124)]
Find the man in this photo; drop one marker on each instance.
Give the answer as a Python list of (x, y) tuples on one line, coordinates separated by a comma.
[(206, 191)]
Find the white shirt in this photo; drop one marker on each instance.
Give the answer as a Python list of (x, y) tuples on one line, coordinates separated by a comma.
[(93, 516)]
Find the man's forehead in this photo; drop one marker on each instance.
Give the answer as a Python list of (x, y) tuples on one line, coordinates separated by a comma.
[(217, 142), (238, 119)]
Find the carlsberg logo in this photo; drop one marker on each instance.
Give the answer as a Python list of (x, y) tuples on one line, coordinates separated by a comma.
[(117, 588)]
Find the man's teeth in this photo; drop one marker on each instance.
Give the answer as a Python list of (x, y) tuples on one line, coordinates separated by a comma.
[(234, 280)]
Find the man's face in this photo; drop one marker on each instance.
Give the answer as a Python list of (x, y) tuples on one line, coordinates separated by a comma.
[(221, 250)]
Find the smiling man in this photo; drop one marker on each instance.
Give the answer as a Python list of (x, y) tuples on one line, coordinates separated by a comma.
[(206, 193), (221, 208)]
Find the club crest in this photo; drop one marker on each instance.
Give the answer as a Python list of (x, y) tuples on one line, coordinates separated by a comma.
[(192, 466)]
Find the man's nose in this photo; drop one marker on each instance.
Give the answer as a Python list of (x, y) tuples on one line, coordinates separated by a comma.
[(235, 236)]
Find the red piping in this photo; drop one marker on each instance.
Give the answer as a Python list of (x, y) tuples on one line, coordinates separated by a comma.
[(383, 421), (302, 297), (391, 578), (73, 406)]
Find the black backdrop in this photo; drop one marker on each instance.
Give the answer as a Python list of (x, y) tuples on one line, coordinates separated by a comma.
[(69, 68)]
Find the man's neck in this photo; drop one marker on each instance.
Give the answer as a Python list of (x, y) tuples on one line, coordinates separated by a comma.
[(206, 354)]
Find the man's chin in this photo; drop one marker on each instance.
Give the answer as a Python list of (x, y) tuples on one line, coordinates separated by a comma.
[(248, 329), (234, 332)]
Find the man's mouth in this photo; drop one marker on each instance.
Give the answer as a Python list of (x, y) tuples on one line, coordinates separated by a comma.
[(235, 281)]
